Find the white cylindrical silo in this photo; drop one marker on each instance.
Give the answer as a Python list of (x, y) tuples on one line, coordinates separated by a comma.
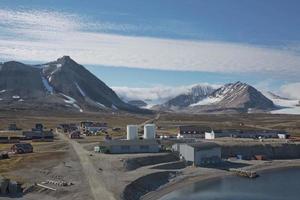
[(132, 132), (149, 131)]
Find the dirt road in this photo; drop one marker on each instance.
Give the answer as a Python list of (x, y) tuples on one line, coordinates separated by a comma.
[(98, 189), (150, 121)]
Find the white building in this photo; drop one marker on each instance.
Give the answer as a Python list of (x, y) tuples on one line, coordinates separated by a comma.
[(210, 135), (282, 136)]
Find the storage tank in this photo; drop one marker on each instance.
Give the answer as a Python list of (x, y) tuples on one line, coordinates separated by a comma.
[(149, 131), (132, 132)]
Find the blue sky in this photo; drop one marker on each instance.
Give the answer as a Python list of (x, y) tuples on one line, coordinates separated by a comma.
[(142, 43)]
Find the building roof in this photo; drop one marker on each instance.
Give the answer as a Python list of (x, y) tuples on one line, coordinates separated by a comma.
[(194, 127), (203, 145), (130, 142), (24, 145)]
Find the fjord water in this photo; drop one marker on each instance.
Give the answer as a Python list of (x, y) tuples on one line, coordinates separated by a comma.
[(275, 185)]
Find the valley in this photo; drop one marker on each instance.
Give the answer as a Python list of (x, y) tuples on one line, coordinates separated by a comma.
[(74, 160)]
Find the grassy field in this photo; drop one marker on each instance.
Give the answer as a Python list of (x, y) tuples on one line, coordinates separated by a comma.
[(290, 123), (167, 122)]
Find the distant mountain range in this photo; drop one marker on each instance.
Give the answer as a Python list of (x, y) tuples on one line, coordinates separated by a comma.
[(233, 97), (61, 84), (65, 84), (194, 95)]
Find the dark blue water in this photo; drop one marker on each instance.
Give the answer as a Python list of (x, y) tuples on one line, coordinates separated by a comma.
[(276, 185)]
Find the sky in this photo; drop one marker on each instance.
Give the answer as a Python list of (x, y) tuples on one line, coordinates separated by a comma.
[(161, 45)]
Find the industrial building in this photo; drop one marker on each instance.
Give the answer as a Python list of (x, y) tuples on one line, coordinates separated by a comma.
[(9, 139), (184, 130), (132, 146), (201, 153), (37, 134), (192, 131), (245, 134)]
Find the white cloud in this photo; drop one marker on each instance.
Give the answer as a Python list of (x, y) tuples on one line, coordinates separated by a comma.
[(291, 90), (157, 94), (45, 36)]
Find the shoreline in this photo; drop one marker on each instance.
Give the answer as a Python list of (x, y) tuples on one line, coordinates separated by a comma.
[(276, 165)]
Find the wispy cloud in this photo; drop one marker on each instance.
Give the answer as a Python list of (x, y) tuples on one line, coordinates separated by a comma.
[(157, 94), (46, 35), (291, 90)]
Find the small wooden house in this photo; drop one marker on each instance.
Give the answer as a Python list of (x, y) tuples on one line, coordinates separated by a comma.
[(20, 148), (74, 135)]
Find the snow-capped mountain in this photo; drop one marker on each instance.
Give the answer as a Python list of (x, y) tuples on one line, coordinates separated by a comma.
[(61, 83), (238, 96), (232, 97), (193, 95)]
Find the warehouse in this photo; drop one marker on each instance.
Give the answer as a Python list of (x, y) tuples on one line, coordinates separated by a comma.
[(31, 135), (198, 154), (132, 146), (183, 130)]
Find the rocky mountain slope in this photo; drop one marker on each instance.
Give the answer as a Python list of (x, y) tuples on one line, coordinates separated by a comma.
[(236, 97), (233, 97), (194, 95), (62, 83)]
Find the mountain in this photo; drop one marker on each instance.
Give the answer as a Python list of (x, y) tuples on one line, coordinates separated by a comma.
[(193, 95), (234, 97), (61, 83), (138, 103)]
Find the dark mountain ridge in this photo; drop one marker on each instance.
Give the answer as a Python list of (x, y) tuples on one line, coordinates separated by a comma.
[(63, 82)]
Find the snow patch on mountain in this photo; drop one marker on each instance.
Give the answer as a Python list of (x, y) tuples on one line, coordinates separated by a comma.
[(2, 91), (16, 97), (72, 101), (114, 107), (80, 90), (47, 85), (100, 104), (208, 101)]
